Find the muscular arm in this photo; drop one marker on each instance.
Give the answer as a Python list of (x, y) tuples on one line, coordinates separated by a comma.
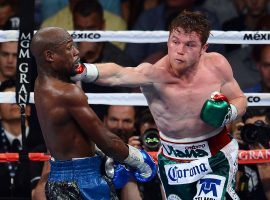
[(230, 87), (112, 74), (91, 126)]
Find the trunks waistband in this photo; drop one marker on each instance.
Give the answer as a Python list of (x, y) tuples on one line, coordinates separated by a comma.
[(68, 170), (201, 147), (76, 163), (193, 139)]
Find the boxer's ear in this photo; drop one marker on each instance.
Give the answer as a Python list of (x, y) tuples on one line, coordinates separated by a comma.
[(205, 47), (48, 54)]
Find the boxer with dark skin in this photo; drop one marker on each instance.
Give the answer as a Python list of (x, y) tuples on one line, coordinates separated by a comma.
[(71, 128), (69, 125)]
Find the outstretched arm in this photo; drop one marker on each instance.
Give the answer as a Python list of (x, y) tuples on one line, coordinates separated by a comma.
[(116, 75), (111, 74)]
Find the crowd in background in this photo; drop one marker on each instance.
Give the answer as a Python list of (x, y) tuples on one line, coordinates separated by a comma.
[(250, 65)]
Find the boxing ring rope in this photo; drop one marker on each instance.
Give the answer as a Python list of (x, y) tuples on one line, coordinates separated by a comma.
[(244, 157), (14, 157), (137, 99), (216, 37)]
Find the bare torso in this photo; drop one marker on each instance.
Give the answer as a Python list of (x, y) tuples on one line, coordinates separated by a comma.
[(176, 103), (63, 137)]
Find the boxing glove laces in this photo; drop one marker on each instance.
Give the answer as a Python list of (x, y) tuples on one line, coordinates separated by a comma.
[(84, 72), (217, 111), (142, 165)]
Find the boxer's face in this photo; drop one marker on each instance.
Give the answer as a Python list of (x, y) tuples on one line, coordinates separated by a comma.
[(184, 49), (8, 59), (65, 55)]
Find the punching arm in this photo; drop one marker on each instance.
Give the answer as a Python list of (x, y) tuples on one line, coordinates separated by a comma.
[(111, 74)]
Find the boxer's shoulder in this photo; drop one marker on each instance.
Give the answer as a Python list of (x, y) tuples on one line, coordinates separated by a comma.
[(215, 59), (68, 93)]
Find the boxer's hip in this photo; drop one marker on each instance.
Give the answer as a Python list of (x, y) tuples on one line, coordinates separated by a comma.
[(194, 148), (82, 177), (72, 169)]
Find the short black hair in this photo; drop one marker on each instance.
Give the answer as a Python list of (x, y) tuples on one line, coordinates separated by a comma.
[(10, 83)]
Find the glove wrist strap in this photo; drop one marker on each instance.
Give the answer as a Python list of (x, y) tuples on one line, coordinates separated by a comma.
[(134, 158), (234, 113)]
